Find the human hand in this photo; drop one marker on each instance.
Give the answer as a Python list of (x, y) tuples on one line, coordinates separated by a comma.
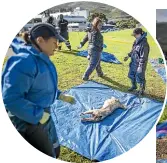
[(67, 98), (44, 118), (79, 47), (139, 70), (126, 58)]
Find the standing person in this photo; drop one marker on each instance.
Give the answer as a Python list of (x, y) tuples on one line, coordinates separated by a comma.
[(139, 58), (50, 20), (95, 47), (29, 88), (63, 25)]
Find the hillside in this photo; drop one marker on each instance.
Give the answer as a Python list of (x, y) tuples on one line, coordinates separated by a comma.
[(109, 11)]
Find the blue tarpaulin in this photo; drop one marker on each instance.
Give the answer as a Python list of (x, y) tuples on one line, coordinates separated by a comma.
[(161, 161), (114, 135), (161, 130), (159, 68), (106, 57)]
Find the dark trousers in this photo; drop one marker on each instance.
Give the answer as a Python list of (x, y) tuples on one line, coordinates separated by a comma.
[(94, 63), (42, 138)]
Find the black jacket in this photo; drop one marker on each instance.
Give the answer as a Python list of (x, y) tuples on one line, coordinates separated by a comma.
[(63, 25)]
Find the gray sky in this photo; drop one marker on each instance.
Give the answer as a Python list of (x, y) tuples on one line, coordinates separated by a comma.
[(161, 15)]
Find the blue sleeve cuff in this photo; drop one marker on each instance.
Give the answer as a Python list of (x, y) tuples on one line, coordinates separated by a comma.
[(58, 94)]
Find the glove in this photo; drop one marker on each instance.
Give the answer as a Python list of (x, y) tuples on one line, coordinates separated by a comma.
[(88, 57), (67, 98), (104, 46), (139, 70), (126, 58), (44, 118), (79, 47)]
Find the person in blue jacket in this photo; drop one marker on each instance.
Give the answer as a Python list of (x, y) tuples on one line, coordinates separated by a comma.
[(95, 47), (139, 58), (29, 88)]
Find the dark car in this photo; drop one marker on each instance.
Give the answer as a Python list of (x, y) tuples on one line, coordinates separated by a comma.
[(161, 34)]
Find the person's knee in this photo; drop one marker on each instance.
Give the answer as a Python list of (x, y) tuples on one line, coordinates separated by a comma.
[(92, 65)]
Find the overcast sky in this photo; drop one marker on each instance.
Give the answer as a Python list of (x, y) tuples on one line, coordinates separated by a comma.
[(161, 15)]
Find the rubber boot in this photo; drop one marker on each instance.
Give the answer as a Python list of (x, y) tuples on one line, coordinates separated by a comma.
[(100, 74), (69, 47), (141, 90), (85, 78), (134, 86), (59, 47)]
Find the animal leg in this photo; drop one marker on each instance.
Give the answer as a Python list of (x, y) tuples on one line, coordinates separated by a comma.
[(87, 112), (88, 119), (123, 106)]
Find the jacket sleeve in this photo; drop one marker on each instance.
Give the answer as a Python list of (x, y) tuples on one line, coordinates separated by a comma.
[(17, 79), (66, 22), (59, 24), (58, 94), (144, 54), (130, 53), (84, 40)]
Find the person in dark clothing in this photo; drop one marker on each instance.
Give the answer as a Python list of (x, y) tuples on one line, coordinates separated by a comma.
[(139, 58), (63, 25), (95, 47), (50, 20)]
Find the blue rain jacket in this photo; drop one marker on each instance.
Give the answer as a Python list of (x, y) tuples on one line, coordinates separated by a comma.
[(139, 58), (29, 85)]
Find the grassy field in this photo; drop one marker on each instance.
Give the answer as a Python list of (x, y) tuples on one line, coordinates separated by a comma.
[(164, 116), (71, 68)]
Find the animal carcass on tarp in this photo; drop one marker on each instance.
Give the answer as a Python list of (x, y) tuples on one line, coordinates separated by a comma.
[(114, 135)]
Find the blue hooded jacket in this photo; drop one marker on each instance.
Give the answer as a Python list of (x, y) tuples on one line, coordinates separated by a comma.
[(29, 84), (139, 58)]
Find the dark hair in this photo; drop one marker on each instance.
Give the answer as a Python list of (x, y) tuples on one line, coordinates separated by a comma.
[(95, 23), (26, 38), (138, 31), (50, 20), (44, 30), (29, 39)]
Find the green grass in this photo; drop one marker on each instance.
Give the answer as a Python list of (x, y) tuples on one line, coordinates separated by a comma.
[(71, 68), (164, 115)]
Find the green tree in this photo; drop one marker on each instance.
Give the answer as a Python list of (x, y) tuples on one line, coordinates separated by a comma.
[(100, 15), (128, 23)]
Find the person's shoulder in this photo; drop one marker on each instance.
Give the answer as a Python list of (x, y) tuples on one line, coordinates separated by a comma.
[(24, 62), (145, 42), (28, 57)]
